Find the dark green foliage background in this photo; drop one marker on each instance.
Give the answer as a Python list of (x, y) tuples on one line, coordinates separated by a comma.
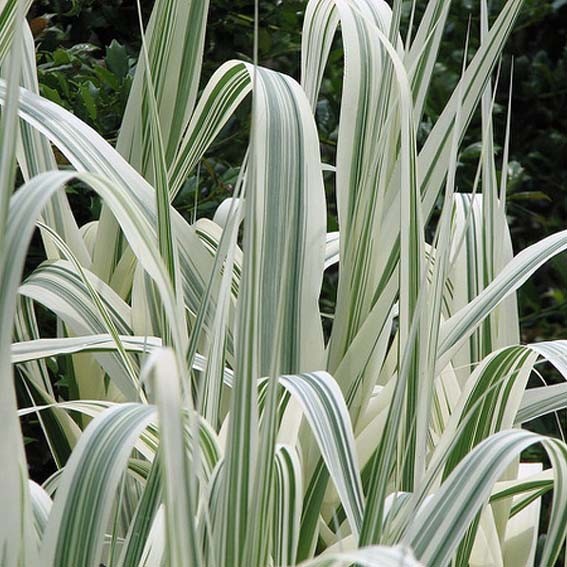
[(87, 52)]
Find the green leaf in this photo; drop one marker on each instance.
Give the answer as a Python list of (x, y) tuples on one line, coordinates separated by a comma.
[(116, 59), (88, 93)]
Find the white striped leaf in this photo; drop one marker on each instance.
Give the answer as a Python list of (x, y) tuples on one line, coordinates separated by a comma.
[(179, 468), (328, 418), (287, 505), (457, 329), (372, 556), (85, 496), (284, 224), (435, 532), (41, 508), (17, 537), (227, 88), (541, 401)]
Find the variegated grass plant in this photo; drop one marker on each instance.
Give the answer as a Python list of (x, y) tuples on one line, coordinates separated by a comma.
[(211, 423)]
